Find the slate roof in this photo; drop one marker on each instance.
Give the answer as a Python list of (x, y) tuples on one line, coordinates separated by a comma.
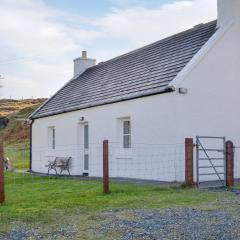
[(142, 72)]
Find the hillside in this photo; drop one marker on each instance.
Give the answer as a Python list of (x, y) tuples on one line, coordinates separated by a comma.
[(10, 106), (15, 113)]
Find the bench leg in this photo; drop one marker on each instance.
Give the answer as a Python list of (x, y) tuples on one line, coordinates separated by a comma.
[(65, 169)]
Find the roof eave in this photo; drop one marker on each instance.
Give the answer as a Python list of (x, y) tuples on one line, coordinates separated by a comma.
[(167, 89)]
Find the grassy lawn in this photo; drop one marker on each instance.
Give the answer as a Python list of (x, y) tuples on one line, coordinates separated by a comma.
[(42, 199), (18, 153), (50, 205)]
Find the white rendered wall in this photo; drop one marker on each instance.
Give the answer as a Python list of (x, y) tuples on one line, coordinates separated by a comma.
[(154, 154), (211, 107), (228, 10)]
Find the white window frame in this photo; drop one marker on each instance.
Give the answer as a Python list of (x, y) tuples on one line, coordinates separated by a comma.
[(129, 134)]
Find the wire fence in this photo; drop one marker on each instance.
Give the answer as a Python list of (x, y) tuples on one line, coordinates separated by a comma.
[(162, 162), (143, 161), (35, 191), (154, 162), (36, 194), (17, 157)]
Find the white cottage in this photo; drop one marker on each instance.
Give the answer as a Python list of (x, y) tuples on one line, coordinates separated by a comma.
[(145, 103)]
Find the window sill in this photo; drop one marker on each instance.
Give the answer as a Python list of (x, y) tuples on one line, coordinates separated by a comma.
[(124, 153), (123, 157)]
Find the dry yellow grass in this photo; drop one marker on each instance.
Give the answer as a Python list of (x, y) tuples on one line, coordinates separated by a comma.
[(10, 106), (17, 111)]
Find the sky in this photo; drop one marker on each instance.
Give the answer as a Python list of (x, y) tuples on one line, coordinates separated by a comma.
[(40, 38)]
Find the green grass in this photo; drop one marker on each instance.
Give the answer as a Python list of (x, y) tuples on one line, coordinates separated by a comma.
[(51, 204), (35, 198), (18, 153)]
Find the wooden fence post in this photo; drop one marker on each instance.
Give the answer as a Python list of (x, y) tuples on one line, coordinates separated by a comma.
[(229, 163), (189, 162), (105, 167), (2, 190)]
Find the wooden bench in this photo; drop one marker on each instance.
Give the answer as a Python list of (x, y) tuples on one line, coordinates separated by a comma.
[(59, 162)]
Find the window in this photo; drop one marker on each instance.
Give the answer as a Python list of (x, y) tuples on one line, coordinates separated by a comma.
[(52, 137), (126, 134), (86, 143)]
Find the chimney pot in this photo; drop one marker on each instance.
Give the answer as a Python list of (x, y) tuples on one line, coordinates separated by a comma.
[(84, 54)]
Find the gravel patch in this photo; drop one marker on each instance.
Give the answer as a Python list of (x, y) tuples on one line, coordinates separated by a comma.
[(213, 221), (26, 233), (186, 223)]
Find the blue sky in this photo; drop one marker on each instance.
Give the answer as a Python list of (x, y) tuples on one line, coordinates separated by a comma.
[(98, 8), (40, 38)]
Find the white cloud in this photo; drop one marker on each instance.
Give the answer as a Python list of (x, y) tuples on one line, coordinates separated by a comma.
[(142, 26), (46, 42), (30, 26), (48, 39), (129, 3)]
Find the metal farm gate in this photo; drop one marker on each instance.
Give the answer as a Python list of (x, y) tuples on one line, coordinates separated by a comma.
[(211, 161)]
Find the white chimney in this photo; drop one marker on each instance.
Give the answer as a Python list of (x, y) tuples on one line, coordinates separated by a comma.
[(82, 63), (228, 10)]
